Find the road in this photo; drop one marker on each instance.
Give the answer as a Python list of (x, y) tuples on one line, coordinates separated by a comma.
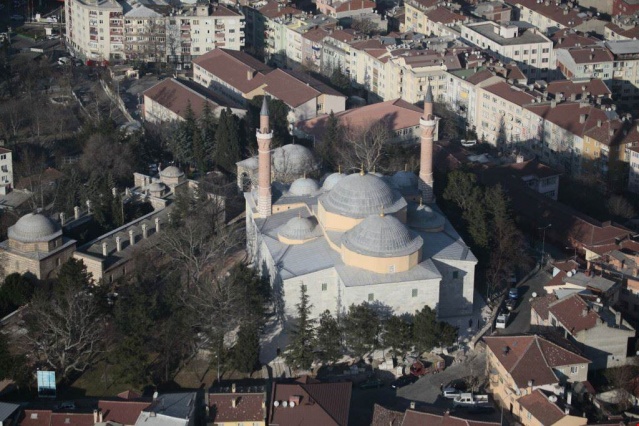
[(520, 318)]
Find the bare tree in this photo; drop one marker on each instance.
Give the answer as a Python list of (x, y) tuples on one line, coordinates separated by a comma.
[(103, 154), (619, 206), (66, 333), (363, 146), (364, 26)]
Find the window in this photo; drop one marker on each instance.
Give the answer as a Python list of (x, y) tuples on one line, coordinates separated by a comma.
[(414, 292), (324, 286), (3, 157), (455, 274), (573, 370), (391, 269), (371, 297), (544, 50)]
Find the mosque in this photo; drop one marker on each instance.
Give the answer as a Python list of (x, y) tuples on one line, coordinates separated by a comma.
[(355, 238)]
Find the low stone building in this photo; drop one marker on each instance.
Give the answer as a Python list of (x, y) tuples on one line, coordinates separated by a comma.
[(35, 246)]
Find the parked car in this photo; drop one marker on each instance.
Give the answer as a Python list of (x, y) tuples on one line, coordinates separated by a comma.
[(510, 304), (513, 293), (403, 381), (371, 383), (502, 319), (67, 406), (65, 60), (450, 392)]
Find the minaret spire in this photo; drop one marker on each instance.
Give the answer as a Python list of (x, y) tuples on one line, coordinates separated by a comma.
[(264, 137), (427, 124)]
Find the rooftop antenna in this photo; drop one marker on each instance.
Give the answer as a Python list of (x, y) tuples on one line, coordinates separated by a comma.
[(361, 170), (381, 214), (339, 169)]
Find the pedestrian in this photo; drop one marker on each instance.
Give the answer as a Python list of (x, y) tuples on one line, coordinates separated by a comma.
[(441, 387), (470, 323)]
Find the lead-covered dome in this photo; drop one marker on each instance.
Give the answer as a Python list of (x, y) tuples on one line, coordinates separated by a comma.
[(299, 229), (292, 160), (331, 180), (405, 181), (423, 217), (303, 187), (171, 172), (382, 236), (361, 195), (34, 227), (157, 187)]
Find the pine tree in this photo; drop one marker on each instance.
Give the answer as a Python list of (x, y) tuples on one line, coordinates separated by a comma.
[(300, 349), (227, 141), (329, 338), (246, 352), (397, 335), (208, 125), (428, 332), (361, 329), (332, 139), (199, 154)]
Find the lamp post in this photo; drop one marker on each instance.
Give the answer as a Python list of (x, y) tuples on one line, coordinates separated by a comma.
[(543, 242), (217, 358)]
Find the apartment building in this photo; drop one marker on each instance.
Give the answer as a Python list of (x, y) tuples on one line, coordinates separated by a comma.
[(633, 171), (345, 9), (581, 62), (415, 14), (493, 11), (443, 21), (531, 50), (336, 51), (110, 31), (624, 7), (549, 16), (622, 27), (6, 171)]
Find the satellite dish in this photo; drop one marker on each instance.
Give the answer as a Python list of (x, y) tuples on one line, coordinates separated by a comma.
[(291, 404), (285, 404), (569, 274), (552, 398), (599, 300), (276, 404), (534, 294)]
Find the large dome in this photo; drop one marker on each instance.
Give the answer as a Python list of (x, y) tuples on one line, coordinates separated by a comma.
[(303, 187), (34, 227), (293, 159), (331, 181), (298, 228), (360, 195), (382, 236), (171, 172)]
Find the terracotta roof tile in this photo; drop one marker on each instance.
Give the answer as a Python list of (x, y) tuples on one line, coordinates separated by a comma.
[(4, 150), (590, 55), (232, 67), (556, 281), (569, 38), (531, 358), (444, 15), (129, 394), (595, 87), (320, 404), (540, 305), (385, 417), (541, 408), (355, 5), (295, 89), (72, 419), (510, 93), (248, 407), (532, 167), (123, 412), (36, 418), (480, 76), (574, 314), (419, 418), (273, 10), (567, 17)]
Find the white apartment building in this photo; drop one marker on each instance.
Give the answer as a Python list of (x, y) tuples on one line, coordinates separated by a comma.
[(531, 50), (633, 172), (6, 171), (112, 31)]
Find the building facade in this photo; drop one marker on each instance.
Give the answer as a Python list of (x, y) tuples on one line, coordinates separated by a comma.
[(6, 171)]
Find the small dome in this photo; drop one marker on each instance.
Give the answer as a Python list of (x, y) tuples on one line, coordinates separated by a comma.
[(382, 236), (171, 172), (424, 218), (358, 195), (292, 159), (298, 228), (303, 187), (331, 181), (157, 187), (34, 227), (404, 180)]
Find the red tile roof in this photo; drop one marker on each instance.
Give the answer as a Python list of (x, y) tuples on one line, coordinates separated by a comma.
[(567, 17), (273, 10), (480, 76), (4, 150), (574, 314), (123, 412), (295, 89), (510, 93), (399, 113), (129, 394), (72, 419), (385, 417), (531, 358), (595, 87), (567, 115), (36, 418), (538, 405), (354, 5), (532, 167), (176, 96), (321, 404), (557, 280), (569, 38), (221, 10), (590, 55), (233, 67), (540, 305), (444, 15), (418, 418), (248, 407)]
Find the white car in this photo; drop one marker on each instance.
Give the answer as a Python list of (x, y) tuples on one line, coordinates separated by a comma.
[(502, 320), (450, 393)]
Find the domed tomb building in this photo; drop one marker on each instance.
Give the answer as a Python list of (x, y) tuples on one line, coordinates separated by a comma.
[(35, 245), (357, 238)]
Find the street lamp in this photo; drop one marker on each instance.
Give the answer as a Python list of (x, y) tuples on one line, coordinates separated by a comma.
[(543, 242), (217, 358)]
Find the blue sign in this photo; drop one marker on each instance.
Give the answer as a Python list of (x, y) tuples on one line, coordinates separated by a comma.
[(46, 384)]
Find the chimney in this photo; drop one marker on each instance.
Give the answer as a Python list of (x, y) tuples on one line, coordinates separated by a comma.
[(105, 249), (118, 243), (569, 397), (234, 402), (145, 233), (76, 212), (567, 411), (584, 312), (95, 416), (157, 225), (249, 75), (131, 237), (565, 11), (89, 206), (233, 388), (553, 103), (412, 405), (519, 159), (100, 417), (618, 319), (582, 118), (598, 123), (611, 132), (573, 97), (62, 218)]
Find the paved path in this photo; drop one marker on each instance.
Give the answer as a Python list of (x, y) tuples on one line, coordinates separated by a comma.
[(520, 318)]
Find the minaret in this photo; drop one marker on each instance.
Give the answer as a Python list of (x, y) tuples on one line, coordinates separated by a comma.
[(427, 124), (264, 136)]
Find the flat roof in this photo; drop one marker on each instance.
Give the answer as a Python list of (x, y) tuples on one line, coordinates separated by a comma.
[(487, 29), (623, 47)]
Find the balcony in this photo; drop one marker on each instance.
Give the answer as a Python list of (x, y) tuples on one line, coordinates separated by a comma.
[(219, 27)]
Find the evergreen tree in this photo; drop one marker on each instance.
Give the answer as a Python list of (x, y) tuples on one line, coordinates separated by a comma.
[(6, 359), (227, 141), (340, 81), (16, 291), (246, 352), (329, 340), (208, 125), (117, 210), (428, 332), (300, 349), (397, 335), (331, 139), (73, 276), (361, 329), (199, 153)]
